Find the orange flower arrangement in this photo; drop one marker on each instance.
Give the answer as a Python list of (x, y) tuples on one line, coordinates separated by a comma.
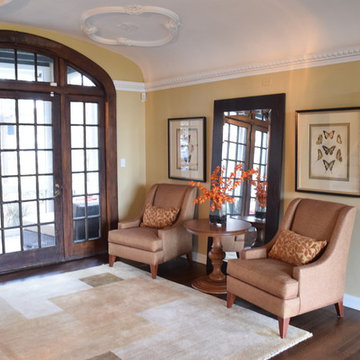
[(221, 186), (260, 189)]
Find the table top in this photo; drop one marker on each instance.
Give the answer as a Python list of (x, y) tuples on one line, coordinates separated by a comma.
[(249, 218), (203, 227)]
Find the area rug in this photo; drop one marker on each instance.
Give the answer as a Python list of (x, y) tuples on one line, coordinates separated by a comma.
[(104, 313)]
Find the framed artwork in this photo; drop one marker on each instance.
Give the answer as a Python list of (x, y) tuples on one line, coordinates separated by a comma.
[(187, 148), (327, 151)]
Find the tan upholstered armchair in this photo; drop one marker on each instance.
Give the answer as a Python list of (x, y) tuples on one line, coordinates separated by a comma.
[(153, 245), (287, 290)]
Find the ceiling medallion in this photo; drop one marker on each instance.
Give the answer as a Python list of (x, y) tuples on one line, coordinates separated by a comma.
[(171, 24)]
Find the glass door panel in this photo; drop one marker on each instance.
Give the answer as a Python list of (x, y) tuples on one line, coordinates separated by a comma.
[(85, 171), (28, 206)]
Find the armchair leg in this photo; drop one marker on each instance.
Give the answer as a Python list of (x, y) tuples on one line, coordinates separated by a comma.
[(154, 269), (189, 257), (112, 259), (230, 299), (283, 326), (339, 309)]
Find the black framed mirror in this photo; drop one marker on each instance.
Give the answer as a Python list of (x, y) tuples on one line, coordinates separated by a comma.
[(266, 116)]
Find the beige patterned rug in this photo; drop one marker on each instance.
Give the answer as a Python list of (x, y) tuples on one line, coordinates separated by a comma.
[(117, 313)]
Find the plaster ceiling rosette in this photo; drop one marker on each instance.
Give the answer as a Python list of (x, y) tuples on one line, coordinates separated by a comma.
[(134, 25)]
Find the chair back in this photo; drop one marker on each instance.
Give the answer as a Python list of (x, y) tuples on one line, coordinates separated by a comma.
[(173, 195)]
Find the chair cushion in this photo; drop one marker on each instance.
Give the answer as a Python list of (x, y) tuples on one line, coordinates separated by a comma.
[(139, 237), (295, 249), (158, 217), (270, 275)]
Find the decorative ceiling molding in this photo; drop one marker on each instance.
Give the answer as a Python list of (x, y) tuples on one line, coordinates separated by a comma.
[(129, 86), (335, 57), (171, 25)]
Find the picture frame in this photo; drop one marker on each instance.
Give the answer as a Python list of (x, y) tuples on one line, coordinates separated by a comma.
[(327, 151), (187, 148)]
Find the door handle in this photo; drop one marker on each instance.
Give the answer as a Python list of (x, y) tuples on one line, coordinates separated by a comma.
[(58, 190)]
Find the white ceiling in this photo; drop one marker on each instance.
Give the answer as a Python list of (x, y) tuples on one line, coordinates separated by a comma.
[(216, 37)]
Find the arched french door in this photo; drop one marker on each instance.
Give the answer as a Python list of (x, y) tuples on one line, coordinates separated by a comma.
[(57, 164)]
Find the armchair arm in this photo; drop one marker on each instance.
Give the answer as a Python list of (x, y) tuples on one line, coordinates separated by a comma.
[(255, 253), (128, 224)]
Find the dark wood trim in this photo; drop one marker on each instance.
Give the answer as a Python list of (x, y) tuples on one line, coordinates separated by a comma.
[(105, 90), (276, 103)]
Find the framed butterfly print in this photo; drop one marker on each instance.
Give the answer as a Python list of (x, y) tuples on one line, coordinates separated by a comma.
[(327, 151)]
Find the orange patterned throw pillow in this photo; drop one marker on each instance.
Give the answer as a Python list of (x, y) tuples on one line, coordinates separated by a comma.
[(158, 217), (295, 249)]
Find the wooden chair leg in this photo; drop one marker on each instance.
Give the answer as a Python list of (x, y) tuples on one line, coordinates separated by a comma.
[(283, 326), (112, 259), (154, 269), (339, 309), (189, 257), (230, 299)]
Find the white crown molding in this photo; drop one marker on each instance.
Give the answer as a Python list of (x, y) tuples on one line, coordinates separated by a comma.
[(339, 56), (129, 86), (171, 25)]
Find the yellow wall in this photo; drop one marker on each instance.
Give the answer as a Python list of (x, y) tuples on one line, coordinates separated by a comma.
[(318, 87)]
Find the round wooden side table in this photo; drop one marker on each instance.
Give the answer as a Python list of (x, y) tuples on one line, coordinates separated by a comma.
[(215, 282)]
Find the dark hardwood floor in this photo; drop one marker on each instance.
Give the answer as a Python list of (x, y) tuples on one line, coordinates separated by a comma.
[(333, 338)]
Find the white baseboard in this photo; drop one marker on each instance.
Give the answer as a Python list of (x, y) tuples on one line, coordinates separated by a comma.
[(350, 301)]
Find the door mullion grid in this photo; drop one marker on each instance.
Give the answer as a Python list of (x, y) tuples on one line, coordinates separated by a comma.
[(37, 176), (2, 211), (85, 174), (18, 167)]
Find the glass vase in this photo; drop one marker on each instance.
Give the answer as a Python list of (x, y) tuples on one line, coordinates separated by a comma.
[(260, 211), (218, 216)]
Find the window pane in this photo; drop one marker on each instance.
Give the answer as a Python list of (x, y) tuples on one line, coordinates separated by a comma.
[(92, 160), (10, 188), (73, 76), (93, 225), (45, 69), (7, 111), (256, 156), (46, 186), (76, 113), (28, 187), (241, 152), (78, 207), (12, 240), (26, 66), (27, 162), (46, 211), (27, 137), (45, 162), (78, 184), (91, 112), (11, 214), (44, 137), (26, 111), (77, 160), (9, 163), (233, 133), (7, 64), (93, 205), (47, 235), (8, 137), (91, 136), (77, 136), (29, 212), (225, 131), (31, 238), (232, 151), (93, 183), (87, 81), (258, 138), (43, 112), (265, 140), (242, 134), (79, 230)]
